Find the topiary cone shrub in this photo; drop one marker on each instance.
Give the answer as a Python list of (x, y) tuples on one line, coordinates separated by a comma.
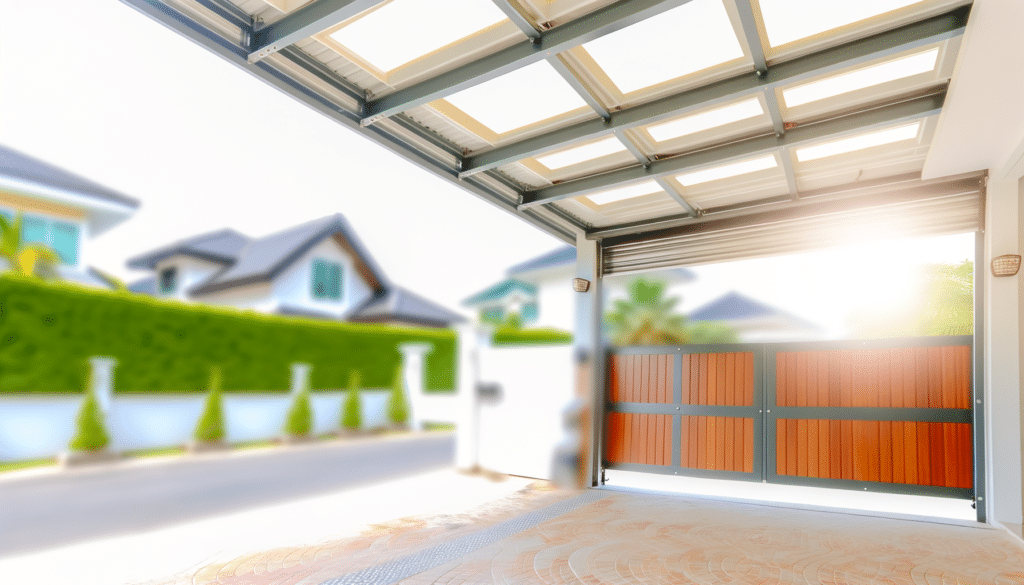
[(398, 404), (210, 429), (89, 432), (300, 417), (352, 408)]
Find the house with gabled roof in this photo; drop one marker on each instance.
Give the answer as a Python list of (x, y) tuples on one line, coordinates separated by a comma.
[(754, 320), (540, 291), (318, 269), (61, 210)]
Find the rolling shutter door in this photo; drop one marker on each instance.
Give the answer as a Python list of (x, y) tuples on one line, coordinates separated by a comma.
[(948, 209)]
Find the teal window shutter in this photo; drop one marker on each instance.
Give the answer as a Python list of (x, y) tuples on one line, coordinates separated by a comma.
[(65, 241), (168, 280), (319, 279), (33, 230), (334, 279)]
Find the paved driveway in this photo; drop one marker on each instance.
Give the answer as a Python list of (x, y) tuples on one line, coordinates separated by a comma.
[(603, 536), (43, 511)]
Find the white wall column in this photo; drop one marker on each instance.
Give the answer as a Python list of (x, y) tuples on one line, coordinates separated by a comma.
[(1002, 353), (300, 377), (414, 368), (472, 338), (101, 381), (588, 350)]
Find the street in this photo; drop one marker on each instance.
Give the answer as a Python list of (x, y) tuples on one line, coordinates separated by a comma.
[(39, 512)]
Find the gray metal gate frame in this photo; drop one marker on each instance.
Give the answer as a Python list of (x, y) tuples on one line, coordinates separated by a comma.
[(677, 409)]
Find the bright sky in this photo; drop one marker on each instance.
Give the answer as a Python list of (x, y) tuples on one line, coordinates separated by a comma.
[(106, 92)]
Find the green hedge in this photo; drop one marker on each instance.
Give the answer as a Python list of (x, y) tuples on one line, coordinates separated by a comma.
[(539, 336), (48, 332)]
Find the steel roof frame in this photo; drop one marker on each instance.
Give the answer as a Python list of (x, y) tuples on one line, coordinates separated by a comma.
[(381, 119)]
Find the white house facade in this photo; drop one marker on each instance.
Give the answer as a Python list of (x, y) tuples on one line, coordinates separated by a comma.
[(61, 210), (318, 269)]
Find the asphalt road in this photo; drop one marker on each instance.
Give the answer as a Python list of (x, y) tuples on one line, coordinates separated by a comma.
[(50, 510)]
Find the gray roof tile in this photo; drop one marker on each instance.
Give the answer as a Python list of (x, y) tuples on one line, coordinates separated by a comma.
[(18, 165)]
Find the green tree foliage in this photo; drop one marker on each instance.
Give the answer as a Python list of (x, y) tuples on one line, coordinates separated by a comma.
[(534, 336), (352, 408), (647, 317), (211, 424), (22, 258), (89, 432), (300, 416), (51, 329), (398, 405), (942, 305), (711, 332)]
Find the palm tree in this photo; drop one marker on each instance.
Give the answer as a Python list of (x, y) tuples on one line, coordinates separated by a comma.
[(647, 317), (28, 259)]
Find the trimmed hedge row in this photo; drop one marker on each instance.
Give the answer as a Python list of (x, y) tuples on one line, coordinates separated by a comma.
[(48, 331), (538, 336)]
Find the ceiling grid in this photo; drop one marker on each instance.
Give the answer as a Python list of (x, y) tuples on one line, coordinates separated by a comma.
[(565, 114)]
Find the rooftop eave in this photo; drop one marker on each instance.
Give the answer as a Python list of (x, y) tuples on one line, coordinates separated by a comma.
[(102, 214)]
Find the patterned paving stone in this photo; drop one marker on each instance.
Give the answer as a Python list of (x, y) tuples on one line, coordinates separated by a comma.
[(620, 538)]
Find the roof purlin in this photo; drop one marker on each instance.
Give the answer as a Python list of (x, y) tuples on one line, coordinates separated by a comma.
[(912, 109)]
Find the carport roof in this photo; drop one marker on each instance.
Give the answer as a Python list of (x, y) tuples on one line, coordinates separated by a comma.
[(563, 114)]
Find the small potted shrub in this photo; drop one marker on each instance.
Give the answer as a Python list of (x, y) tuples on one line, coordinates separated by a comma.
[(299, 423), (352, 407), (89, 445), (398, 403), (210, 432)]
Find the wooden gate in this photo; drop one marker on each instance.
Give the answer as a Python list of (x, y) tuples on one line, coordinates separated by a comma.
[(892, 415)]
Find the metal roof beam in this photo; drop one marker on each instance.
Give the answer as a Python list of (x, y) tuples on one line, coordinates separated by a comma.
[(581, 30), (237, 55), (645, 160), (889, 43), (518, 18), (863, 121), (303, 23)]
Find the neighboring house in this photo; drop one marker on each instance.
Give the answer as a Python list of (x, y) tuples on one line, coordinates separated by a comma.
[(60, 209), (318, 269), (755, 321), (540, 290)]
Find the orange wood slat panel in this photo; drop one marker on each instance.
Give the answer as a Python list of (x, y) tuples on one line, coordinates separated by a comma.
[(923, 453), (717, 443)]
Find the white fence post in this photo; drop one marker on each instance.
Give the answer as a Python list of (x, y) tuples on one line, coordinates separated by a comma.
[(414, 370), (300, 377), (101, 379)]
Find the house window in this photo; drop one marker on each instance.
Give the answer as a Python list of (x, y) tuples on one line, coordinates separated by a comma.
[(168, 280), (529, 312), (65, 241), (492, 315), (326, 280), (62, 236)]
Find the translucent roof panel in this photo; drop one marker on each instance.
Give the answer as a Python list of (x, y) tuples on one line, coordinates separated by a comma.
[(706, 120), (401, 31), (727, 171), (858, 142), (578, 154), (861, 78), (684, 40), (509, 102), (623, 193), (786, 21)]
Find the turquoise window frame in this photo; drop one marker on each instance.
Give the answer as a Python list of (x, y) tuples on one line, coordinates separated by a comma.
[(529, 312), (63, 237), (327, 277)]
